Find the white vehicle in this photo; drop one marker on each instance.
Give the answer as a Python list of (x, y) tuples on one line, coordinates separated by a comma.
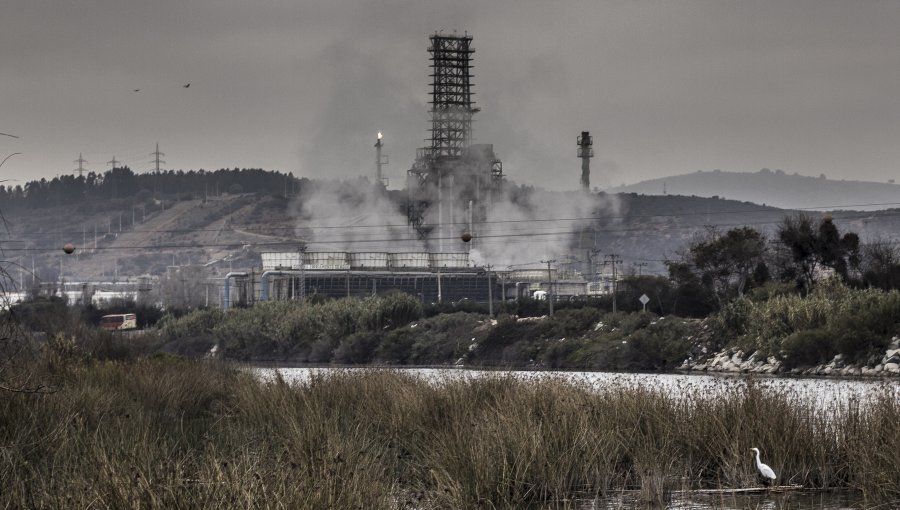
[(119, 321), (540, 295)]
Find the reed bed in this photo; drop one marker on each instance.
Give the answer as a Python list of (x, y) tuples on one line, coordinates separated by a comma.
[(176, 434)]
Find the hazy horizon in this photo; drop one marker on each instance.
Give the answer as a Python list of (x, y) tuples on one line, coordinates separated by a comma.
[(303, 87)]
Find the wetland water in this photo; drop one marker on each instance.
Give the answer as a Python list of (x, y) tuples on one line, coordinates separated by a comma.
[(788, 501), (823, 393)]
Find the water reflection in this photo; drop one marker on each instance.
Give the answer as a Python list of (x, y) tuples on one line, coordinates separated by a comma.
[(821, 392), (786, 501)]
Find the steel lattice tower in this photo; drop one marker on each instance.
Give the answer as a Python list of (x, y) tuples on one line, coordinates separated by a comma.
[(452, 181), (451, 93)]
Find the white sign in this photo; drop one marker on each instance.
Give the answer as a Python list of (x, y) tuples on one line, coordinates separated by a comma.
[(644, 300)]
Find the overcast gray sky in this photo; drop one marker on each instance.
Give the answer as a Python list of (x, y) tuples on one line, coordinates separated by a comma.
[(665, 87)]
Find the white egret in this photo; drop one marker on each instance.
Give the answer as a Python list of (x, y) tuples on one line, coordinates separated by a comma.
[(764, 470)]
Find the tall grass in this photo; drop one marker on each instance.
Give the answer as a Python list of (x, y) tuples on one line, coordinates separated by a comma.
[(175, 434)]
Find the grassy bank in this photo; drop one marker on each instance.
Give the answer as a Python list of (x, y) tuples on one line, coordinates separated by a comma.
[(803, 331), (167, 433)]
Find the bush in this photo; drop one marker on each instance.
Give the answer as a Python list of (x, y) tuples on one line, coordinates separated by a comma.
[(807, 347), (808, 330), (193, 324)]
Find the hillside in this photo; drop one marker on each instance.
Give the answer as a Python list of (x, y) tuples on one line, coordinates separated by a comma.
[(227, 232), (774, 188)]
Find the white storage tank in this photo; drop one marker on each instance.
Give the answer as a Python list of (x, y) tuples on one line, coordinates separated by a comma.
[(280, 260), (569, 288), (531, 275), (410, 260), (369, 260), (325, 260)]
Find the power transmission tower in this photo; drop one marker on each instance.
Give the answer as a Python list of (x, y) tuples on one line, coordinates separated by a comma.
[(112, 176), (640, 266), (81, 161), (156, 157)]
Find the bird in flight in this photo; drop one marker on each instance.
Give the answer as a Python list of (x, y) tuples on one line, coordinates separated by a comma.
[(188, 85), (137, 90)]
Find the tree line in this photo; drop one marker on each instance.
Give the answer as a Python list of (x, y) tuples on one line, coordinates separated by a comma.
[(717, 267), (123, 183)]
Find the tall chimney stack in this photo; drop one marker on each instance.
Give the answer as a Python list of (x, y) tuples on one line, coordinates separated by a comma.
[(585, 152), (378, 159)]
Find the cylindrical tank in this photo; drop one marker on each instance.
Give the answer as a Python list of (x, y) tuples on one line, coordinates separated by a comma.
[(569, 288), (532, 275)]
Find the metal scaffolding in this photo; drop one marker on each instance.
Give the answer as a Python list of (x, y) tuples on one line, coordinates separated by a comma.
[(452, 181)]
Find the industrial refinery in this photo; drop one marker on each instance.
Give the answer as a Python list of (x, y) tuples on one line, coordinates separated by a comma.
[(451, 189)]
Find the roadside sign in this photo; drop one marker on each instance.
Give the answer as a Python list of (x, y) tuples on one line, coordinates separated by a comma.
[(644, 300)]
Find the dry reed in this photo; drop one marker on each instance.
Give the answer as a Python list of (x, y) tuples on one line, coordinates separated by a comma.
[(174, 434)]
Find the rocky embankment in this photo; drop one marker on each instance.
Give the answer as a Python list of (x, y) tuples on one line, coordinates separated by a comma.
[(737, 361)]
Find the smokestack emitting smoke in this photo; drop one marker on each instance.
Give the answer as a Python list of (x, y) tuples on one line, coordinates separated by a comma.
[(456, 196)]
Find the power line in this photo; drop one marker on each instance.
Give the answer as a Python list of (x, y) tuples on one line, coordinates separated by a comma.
[(505, 239), (360, 237)]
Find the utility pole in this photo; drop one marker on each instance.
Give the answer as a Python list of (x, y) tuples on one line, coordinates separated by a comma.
[(81, 161), (490, 292), (640, 265), (614, 260), (550, 283)]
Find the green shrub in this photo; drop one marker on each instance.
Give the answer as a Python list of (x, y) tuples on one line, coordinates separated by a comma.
[(808, 330), (356, 348), (807, 347), (193, 324)]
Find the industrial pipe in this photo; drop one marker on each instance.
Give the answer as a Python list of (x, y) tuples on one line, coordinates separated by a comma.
[(226, 304), (264, 282)]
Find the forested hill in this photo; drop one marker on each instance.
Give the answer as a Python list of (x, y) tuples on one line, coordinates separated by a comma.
[(128, 224), (775, 188), (120, 183)]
